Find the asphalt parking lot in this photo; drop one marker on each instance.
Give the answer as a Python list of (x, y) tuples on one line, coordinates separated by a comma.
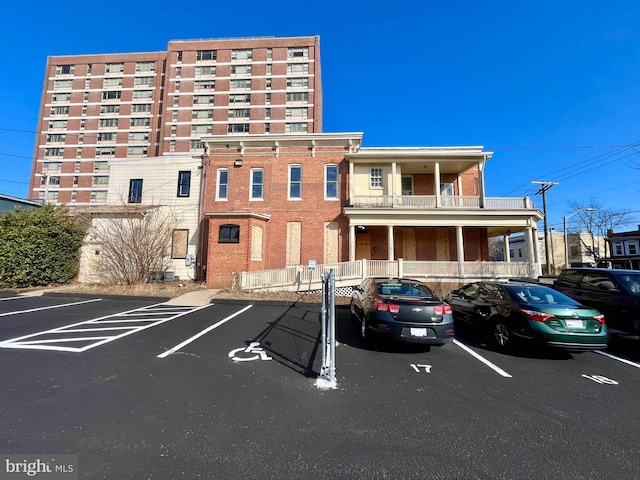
[(142, 390)]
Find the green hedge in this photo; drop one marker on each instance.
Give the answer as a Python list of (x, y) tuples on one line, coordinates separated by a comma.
[(38, 246)]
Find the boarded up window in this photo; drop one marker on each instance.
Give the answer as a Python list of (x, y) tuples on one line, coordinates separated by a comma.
[(293, 243), (331, 242), (256, 243), (179, 243)]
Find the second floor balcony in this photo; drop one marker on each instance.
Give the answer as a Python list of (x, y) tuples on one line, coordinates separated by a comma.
[(434, 201)]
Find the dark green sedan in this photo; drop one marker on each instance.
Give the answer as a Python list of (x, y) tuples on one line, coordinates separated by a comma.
[(518, 310)]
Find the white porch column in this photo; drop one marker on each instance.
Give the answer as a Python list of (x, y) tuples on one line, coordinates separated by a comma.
[(460, 249), (393, 183), (351, 181), (460, 194), (436, 181), (507, 251), (528, 240), (481, 191), (352, 243), (390, 242), (536, 250)]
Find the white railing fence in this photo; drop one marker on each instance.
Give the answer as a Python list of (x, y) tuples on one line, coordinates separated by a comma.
[(302, 278)]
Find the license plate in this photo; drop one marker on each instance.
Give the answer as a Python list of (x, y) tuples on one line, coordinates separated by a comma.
[(574, 323), (418, 332)]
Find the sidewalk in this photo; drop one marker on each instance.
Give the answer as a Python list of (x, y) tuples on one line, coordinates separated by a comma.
[(197, 298)]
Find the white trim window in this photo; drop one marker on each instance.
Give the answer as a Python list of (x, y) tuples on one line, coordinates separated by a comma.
[(222, 185), (376, 177), (331, 181), (295, 182), (256, 189), (632, 247)]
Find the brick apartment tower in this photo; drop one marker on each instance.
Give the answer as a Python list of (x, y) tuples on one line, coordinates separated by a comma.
[(96, 108)]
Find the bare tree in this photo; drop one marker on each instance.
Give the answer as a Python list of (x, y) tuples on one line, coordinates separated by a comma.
[(594, 219), (136, 242)]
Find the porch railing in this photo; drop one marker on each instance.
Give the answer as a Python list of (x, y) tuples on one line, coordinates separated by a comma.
[(429, 201), (353, 273)]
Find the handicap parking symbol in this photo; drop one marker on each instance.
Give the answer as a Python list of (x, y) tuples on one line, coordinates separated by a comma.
[(247, 354)]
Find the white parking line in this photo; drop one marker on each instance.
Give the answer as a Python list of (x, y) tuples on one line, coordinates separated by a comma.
[(12, 298), (203, 332), (17, 312), (61, 335), (482, 359), (628, 362)]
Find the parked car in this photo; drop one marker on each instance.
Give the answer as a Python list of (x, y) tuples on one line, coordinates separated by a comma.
[(616, 293), (529, 311), (401, 308)]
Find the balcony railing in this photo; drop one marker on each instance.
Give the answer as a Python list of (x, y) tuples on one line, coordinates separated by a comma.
[(429, 201)]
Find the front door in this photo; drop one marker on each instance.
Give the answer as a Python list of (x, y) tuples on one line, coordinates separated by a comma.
[(363, 246)]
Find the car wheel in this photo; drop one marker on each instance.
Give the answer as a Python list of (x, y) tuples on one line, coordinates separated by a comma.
[(502, 335)]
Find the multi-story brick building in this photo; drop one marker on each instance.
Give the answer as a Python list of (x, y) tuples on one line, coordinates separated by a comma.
[(134, 105), (277, 201)]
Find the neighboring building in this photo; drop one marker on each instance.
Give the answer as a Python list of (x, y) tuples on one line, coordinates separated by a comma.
[(580, 252), (9, 203), (96, 108), (272, 201), (625, 249), (170, 184)]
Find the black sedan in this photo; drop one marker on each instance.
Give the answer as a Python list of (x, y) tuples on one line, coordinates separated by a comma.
[(401, 308), (529, 311)]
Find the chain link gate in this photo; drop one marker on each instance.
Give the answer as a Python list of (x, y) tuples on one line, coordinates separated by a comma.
[(327, 377)]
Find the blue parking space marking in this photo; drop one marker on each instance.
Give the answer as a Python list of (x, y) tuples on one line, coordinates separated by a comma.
[(82, 336)]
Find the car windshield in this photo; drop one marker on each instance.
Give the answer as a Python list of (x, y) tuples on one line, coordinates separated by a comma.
[(538, 294), (630, 281), (405, 289)]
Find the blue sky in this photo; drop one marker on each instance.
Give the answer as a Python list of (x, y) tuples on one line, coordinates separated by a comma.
[(552, 87)]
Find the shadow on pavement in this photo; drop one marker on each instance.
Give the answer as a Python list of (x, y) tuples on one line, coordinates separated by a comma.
[(293, 339)]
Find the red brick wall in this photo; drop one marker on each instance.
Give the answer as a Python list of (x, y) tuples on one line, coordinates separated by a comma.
[(313, 211)]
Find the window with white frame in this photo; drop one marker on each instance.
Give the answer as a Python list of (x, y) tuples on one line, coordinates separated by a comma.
[(58, 124), (242, 54), (238, 128), (108, 123), (298, 82), (137, 150), (297, 68), (240, 98), (145, 66), (184, 183), (140, 122), (296, 128), (202, 55), (331, 181), (205, 70), (299, 112), (135, 190), (138, 136), (142, 94), (239, 113), (295, 182), (201, 129), (618, 248), (114, 68), (110, 109), (240, 83), (65, 69), (105, 151), (375, 178), (257, 184), (61, 110), (113, 82), (204, 85), (60, 84), (62, 97), (632, 247), (203, 99), (52, 167), (298, 52), (202, 114), (143, 80), (241, 69), (297, 97), (100, 180), (111, 95), (222, 190), (140, 107)]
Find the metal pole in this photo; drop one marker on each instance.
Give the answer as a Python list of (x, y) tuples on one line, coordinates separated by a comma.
[(566, 247), (323, 321), (332, 325)]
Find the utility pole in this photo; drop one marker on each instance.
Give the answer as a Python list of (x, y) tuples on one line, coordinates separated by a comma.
[(544, 187)]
